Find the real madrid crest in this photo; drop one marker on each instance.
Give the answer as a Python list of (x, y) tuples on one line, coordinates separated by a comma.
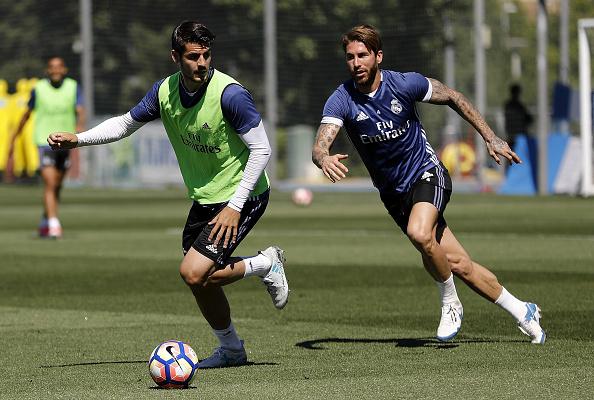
[(395, 106)]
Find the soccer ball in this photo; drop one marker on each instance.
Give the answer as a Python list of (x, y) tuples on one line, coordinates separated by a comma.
[(302, 197), (172, 364)]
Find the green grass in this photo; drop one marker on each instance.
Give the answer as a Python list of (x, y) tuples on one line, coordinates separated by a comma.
[(80, 316)]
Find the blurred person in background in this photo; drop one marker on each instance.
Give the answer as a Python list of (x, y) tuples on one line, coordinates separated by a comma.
[(58, 105), (25, 153), (222, 149), (5, 130), (517, 117), (377, 109)]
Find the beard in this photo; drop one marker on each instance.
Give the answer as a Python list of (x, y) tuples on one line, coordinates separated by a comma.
[(370, 77)]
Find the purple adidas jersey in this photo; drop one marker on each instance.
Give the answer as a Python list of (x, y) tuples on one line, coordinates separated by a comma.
[(385, 129)]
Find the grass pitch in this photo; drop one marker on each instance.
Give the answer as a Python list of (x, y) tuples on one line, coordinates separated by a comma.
[(80, 316)]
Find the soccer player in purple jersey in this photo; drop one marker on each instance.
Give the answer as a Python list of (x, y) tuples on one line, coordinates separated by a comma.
[(377, 109)]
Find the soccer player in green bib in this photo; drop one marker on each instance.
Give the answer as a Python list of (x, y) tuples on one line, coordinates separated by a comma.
[(222, 149), (57, 103)]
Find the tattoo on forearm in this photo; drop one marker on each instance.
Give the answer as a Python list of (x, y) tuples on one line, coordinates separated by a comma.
[(473, 116), (459, 103), (326, 135), (442, 94)]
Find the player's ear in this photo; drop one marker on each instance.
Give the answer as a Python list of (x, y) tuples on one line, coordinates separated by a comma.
[(175, 56), (379, 56)]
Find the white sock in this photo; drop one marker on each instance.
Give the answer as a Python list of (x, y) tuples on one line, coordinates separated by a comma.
[(228, 338), (258, 265), (447, 291), (53, 222), (517, 308)]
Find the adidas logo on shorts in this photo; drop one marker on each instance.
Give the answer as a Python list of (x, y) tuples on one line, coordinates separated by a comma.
[(427, 175), (212, 248)]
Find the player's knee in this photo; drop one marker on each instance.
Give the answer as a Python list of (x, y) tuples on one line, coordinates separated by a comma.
[(192, 276), (421, 238), (53, 186)]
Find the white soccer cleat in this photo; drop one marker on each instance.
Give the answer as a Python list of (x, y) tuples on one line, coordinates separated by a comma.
[(54, 232), (530, 325), (276, 280), (451, 321), (222, 358)]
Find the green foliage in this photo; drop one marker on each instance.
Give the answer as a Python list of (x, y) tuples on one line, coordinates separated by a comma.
[(131, 46), (28, 39), (524, 26)]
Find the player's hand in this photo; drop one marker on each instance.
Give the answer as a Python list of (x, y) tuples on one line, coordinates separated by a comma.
[(500, 146), (333, 167), (62, 140), (225, 227)]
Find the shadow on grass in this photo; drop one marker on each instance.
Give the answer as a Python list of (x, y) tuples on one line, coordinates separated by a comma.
[(179, 388), (92, 363), (247, 364), (317, 344), (82, 364)]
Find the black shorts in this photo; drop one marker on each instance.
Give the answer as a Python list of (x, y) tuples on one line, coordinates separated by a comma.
[(59, 159), (197, 228), (434, 186)]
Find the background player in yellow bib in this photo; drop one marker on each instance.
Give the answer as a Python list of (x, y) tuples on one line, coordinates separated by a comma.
[(57, 103), (222, 149)]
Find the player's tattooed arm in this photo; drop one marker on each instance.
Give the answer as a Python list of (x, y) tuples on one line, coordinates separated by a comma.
[(496, 146), (331, 165), (324, 139)]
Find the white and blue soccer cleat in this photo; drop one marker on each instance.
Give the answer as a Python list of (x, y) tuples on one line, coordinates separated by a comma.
[(451, 321), (530, 325), (222, 358), (276, 280)]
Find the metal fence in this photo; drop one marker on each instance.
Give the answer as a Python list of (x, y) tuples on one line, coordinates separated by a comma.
[(131, 44)]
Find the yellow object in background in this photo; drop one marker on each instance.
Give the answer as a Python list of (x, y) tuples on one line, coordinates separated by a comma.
[(5, 121), (31, 150), (458, 157), (25, 155)]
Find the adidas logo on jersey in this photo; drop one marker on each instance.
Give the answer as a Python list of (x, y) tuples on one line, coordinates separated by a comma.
[(205, 126), (212, 248), (362, 116)]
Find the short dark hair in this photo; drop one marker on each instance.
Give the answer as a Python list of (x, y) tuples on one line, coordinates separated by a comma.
[(190, 32), (366, 34), (53, 56)]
